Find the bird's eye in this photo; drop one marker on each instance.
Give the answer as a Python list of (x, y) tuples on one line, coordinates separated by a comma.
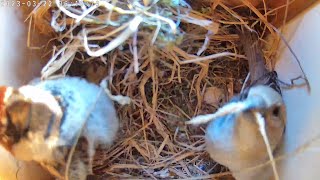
[(276, 111)]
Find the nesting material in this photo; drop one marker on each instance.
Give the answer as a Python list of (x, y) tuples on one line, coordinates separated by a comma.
[(262, 129), (214, 96), (163, 55)]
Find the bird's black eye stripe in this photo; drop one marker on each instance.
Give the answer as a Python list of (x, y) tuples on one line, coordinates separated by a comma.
[(9, 119), (50, 126), (11, 130), (276, 111)]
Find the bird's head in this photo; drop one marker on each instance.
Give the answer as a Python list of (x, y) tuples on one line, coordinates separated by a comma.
[(14, 109), (269, 104)]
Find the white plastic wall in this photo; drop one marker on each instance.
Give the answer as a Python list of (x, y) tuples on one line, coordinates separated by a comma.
[(303, 109)]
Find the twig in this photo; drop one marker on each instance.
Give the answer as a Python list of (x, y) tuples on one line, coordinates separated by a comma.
[(295, 57), (210, 57)]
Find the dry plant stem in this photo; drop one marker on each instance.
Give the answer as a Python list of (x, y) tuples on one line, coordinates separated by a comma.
[(135, 53), (234, 14), (230, 108), (132, 28), (257, 12), (63, 9), (107, 35), (277, 8), (202, 75), (262, 129), (86, 12), (105, 4), (193, 18), (40, 4), (245, 83), (169, 21), (110, 12), (111, 7), (213, 56), (205, 44), (29, 32), (156, 32), (295, 57), (57, 27), (55, 64)]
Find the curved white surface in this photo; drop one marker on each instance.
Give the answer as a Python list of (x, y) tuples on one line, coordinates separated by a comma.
[(303, 109), (303, 34)]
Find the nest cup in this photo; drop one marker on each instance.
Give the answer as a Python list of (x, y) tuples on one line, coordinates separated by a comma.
[(165, 56)]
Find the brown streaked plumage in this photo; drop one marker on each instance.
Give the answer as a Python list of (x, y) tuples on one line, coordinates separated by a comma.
[(259, 74)]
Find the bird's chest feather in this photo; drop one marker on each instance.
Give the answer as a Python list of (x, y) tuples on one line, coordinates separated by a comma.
[(220, 133)]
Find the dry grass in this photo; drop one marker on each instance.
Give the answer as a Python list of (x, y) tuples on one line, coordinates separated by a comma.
[(164, 67)]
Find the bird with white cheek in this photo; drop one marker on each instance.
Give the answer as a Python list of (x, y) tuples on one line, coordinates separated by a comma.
[(57, 123), (246, 131)]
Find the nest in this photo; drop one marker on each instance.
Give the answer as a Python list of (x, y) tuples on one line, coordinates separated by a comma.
[(164, 55)]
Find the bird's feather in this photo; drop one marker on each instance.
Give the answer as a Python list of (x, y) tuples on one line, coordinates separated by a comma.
[(259, 74)]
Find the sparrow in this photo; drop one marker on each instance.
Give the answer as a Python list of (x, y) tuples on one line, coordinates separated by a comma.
[(57, 123), (233, 136)]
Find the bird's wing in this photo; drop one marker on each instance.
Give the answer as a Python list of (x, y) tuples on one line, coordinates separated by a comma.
[(254, 54), (259, 74)]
